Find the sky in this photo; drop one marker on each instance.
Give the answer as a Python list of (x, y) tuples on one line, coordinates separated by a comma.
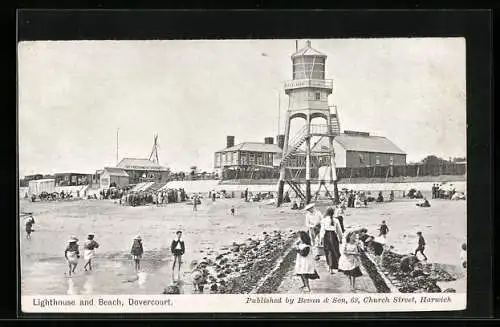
[(75, 95)]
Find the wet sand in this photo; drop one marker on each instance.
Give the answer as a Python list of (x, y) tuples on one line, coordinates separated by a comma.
[(212, 227)]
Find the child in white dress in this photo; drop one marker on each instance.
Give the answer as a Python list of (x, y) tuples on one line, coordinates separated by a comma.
[(304, 263), (349, 261)]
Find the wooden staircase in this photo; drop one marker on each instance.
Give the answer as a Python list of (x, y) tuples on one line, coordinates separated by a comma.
[(297, 189), (315, 130)]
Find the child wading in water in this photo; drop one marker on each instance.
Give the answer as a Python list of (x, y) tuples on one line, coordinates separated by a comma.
[(304, 264), (349, 260), (177, 247), (383, 229), (137, 251), (89, 250), (29, 227), (72, 254)]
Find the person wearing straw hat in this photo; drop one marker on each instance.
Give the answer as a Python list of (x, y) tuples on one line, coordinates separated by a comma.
[(137, 251), (72, 254), (89, 250), (313, 223)]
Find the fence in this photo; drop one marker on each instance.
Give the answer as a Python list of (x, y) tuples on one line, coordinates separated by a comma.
[(413, 170)]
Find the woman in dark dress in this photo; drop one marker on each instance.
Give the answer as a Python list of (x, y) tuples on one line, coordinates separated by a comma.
[(331, 238)]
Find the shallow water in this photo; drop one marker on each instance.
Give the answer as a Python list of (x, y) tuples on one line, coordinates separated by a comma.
[(43, 266)]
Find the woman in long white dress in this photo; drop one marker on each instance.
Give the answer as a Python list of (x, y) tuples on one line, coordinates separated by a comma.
[(304, 263)]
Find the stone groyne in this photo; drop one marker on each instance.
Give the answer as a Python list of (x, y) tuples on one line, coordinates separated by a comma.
[(247, 267)]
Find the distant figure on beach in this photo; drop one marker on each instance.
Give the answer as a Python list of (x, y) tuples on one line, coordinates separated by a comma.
[(380, 197), (391, 196), (313, 224), (232, 211), (72, 254), (213, 196), (424, 204), (89, 250), (304, 263), (195, 202), (421, 245), (29, 227), (463, 256), (246, 194), (349, 261), (286, 198), (384, 229), (331, 238), (137, 251), (339, 214), (177, 248)]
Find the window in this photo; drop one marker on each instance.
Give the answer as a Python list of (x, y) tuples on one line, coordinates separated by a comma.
[(317, 96), (391, 160), (377, 160), (361, 159)]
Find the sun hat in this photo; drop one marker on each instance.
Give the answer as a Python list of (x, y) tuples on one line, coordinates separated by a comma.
[(72, 239), (309, 206), (91, 233), (138, 237)]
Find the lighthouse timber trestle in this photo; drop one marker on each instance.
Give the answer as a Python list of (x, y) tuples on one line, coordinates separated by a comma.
[(308, 94)]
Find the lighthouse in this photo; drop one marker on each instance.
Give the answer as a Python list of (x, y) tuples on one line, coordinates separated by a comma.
[(308, 93)]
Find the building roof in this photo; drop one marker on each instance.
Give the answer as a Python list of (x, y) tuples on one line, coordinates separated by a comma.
[(308, 51), (64, 174), (113, 171), (367, 143), (254, 147), (139, 164)]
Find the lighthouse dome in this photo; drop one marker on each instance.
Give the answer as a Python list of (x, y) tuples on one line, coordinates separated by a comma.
[(308, 63)]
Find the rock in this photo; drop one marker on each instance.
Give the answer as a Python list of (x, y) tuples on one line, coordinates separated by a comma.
[(416, 273), (221, 275), (213, 288), (450, 290), (172, 289), (228, 271), (219, 256)]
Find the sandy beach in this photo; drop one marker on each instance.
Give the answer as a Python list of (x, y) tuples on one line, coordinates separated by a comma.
[(205, 232)]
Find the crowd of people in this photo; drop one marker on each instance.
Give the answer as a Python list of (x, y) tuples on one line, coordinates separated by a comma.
[(446, 191), (326, 236), (161, 197)]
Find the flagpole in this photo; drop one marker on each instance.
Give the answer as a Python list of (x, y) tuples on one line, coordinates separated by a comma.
[(279, 112), (117, 146)]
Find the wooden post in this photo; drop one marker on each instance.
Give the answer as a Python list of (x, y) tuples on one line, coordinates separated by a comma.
[(308, 161), (281, 183)]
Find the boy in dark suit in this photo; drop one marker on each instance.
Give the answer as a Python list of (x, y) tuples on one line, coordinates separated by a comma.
[(177, 247)]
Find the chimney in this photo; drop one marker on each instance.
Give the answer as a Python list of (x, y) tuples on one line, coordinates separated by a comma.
[(229, 141), (280, 139), (268, 140)]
